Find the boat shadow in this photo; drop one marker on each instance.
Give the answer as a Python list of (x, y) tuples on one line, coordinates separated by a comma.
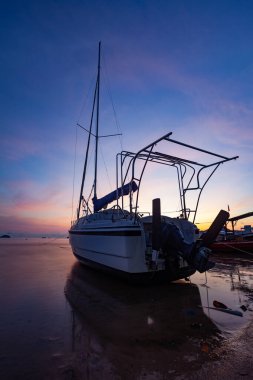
[(126, 330)]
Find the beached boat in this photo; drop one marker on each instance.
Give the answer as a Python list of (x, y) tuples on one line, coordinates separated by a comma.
[(236, 247), (126, 241), (234, 241)]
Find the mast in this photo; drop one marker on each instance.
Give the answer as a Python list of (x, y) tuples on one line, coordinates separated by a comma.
[(95, 102), (87, 154), (97, 122)]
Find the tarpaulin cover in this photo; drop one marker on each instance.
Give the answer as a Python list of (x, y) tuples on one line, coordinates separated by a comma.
[(114, 195)]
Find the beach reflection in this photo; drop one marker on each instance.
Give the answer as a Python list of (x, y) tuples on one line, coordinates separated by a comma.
[(229, 282), (102, 328), (123, 331)]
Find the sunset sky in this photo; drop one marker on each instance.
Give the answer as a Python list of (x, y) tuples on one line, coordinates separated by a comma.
[(179, 66)]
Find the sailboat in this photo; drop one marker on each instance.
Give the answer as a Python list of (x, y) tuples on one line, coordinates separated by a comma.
[(125, 241)]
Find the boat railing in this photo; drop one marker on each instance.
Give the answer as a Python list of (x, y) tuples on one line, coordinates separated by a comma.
[(192, 175)]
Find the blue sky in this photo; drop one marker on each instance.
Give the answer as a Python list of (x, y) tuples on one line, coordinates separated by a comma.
[(180, 66)]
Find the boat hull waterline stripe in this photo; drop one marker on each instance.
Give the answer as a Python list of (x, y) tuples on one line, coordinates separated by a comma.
[(107, 233)]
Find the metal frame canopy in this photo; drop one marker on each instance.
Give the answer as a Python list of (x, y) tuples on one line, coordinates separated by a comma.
[(189, 172)]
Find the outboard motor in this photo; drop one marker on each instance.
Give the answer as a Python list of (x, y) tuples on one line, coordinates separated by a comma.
[(195, 253)]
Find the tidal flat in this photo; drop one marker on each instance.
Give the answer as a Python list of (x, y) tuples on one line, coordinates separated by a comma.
[(61, 320)]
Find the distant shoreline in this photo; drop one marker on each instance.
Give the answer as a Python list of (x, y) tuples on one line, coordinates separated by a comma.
[(29, 236)]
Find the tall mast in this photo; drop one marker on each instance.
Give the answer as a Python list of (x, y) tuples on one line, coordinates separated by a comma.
[(95, 102), (87, 154), (97, 122)]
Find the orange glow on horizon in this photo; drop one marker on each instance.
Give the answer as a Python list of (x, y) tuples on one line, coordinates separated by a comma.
[(18, 225)]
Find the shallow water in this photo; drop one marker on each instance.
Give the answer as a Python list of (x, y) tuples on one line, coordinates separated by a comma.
[(60, 320), (230, 282)]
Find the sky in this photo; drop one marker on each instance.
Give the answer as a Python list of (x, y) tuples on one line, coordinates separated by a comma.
[(168, 66)]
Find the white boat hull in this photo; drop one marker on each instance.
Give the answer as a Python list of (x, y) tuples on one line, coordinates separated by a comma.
[(119, 249), (120, 246)]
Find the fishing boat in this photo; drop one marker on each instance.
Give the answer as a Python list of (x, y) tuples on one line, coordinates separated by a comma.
[(128, 242), (234, 241), (237, 247)]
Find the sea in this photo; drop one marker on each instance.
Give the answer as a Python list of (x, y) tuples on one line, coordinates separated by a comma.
[(61, 320)]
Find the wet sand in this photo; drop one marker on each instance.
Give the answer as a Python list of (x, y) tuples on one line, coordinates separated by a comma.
[(60, 320)]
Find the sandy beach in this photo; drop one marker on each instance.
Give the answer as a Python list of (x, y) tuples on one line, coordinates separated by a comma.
[(60, 320)]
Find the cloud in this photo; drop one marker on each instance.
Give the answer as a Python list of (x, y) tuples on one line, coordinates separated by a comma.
[(145, 72), (16, 148), (27, 198)]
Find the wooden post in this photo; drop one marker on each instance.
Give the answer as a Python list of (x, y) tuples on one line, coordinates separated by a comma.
[(156, 224)]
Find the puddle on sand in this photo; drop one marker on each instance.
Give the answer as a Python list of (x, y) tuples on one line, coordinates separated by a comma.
[(231, 283)]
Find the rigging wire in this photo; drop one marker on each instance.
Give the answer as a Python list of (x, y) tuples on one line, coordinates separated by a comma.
[(83, 106), (108, 88), (87, 96), (74, 177), (90, 193), (88, 166), (101, 153)]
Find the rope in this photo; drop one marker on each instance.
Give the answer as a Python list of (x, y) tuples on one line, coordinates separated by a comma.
[(205, 283), (240, 250)]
